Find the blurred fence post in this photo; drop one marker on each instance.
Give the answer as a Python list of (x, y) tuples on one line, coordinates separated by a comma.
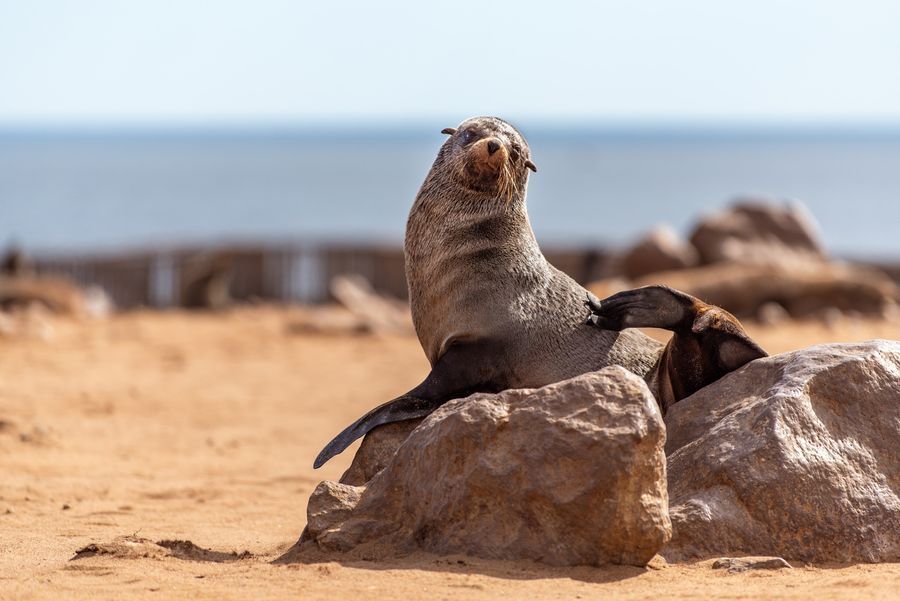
[(286, 273)]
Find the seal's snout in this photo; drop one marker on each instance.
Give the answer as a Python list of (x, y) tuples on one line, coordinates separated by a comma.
[(485, 164), (491, 150)]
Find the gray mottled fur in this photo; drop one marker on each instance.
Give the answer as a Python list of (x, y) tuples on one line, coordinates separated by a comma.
[(475, 272)]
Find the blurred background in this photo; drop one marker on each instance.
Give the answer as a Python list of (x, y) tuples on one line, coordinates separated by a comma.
[(202, 209), (148, 148)]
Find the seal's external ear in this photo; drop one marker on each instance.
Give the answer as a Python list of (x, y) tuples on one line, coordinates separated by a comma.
[(531, 165), (449, 131)]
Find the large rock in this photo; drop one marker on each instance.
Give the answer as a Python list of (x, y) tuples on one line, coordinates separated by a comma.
[(796, 455), (659, 250), (569, 474), (758, 231), (377, 451)]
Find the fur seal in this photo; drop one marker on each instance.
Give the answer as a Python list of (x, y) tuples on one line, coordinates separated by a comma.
[(489, 310)]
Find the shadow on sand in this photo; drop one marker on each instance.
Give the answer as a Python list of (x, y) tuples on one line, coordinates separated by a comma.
[(308, 554)]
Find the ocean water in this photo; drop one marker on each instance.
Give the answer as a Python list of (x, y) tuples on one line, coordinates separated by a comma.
[(75, 192)]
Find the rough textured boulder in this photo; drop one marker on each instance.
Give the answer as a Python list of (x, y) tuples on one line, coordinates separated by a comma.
[(758, 231), (377, 450), (569, 474), (660, 250), (796, 455)]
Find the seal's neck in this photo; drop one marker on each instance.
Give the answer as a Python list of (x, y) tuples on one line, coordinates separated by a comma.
[(462, 217)]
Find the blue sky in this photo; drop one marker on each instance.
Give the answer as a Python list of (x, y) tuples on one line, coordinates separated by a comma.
[(198, 61)]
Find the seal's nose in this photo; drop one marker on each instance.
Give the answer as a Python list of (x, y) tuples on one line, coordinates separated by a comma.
[(493, 146)]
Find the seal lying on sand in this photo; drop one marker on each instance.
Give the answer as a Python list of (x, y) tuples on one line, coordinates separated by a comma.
[(491, 313)]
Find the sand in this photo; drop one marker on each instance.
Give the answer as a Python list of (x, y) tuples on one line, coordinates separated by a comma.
[(179, 426)]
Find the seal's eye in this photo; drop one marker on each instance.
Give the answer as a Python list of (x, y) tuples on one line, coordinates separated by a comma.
[(468, 136), (516, 152)]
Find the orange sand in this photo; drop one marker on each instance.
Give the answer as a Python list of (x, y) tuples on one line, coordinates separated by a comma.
[(204, 427)]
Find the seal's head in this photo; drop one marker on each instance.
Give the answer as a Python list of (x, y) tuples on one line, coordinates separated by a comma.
[(487, 155)]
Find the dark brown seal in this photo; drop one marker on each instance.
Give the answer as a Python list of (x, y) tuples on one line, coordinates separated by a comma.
[(489, 310)]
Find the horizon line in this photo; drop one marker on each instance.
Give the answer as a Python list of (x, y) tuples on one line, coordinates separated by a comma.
[(393, 127)]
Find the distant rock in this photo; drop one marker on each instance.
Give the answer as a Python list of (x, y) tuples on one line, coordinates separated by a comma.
[(359, 309), (803, 290), (758, 231), (54, 294), (771, 313), (659, 250), (569, 474), (794, 455), (377, 312)]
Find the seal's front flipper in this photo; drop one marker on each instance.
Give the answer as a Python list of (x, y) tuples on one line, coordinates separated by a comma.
[(402, 408), (465, 368)]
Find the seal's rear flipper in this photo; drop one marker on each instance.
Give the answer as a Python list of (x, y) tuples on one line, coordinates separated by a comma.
[(465, 368), (709, 342), (723, 334), (647, 307)]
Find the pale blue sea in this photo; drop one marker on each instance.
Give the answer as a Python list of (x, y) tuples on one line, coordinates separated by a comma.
[(73, 192)]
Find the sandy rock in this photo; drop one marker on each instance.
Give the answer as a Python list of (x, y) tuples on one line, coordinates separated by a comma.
[(135, 547), (793, 455), (125, 547), (660, 250), (330, 502), (569, 474), (758, 231), (376, 451), (742, 564)]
